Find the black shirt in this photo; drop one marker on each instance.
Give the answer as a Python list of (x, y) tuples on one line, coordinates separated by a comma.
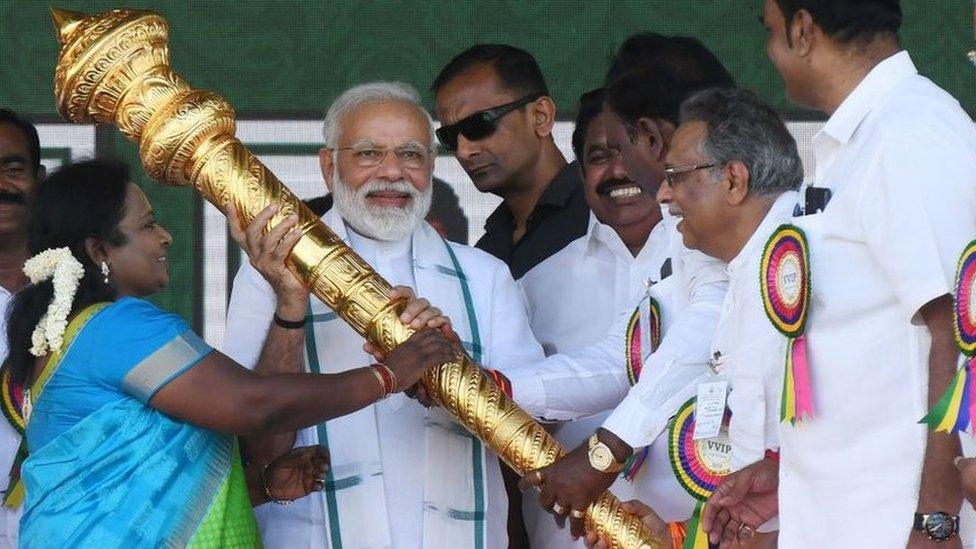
[(560, 216)]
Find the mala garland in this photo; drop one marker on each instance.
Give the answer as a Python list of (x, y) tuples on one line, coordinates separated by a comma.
[(65, 271)]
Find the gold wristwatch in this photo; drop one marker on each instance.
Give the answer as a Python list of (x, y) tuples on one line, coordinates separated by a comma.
[(601, 458)]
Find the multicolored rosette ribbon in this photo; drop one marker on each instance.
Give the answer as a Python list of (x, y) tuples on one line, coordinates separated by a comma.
[(634, 353), (784, 279), (699, 465), (956, 410)]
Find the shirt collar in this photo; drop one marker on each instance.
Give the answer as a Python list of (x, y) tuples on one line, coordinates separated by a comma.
[(558, 194), (779, 212), (856, 106), (561, 189), (601, 235)]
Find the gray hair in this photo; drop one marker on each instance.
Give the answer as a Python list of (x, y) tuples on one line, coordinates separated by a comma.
[(741, 127), (370, 92)]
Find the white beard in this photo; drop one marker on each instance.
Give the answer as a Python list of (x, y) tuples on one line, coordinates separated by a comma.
[(381, 222)]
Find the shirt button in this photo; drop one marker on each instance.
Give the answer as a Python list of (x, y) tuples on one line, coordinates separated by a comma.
[(761, 397), (728, 305)]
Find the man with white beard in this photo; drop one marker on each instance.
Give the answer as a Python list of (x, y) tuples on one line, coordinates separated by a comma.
[(401, 475)]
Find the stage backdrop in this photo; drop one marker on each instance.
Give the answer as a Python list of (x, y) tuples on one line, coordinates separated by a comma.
[(280, 63)]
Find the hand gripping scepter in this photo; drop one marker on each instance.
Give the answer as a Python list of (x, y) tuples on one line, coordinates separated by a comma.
[(114, 69)]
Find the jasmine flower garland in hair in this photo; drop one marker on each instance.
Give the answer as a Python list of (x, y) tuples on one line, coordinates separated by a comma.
[(66, 271)]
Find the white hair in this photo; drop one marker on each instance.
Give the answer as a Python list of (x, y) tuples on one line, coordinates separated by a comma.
[(370, 92)]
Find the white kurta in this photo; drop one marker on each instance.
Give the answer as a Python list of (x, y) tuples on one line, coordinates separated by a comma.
[(9, 443), (593, 379), (900, 157), (400, 424), (750, 352), (574, 297)]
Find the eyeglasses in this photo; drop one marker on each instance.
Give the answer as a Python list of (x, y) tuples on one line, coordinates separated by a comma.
[(670, 173), (407, 157), (480, 124)]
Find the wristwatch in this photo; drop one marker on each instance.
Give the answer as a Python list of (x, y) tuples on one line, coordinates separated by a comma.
[(601, 458), (938, 526)]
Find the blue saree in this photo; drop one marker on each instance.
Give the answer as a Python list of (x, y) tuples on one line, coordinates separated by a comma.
[(107, 470)]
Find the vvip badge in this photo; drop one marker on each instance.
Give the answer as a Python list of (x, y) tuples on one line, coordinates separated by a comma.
[(956, 410), (699, 465), (784, 279)]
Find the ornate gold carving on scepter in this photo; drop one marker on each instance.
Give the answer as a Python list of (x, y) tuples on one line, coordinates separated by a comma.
[(114, 69)]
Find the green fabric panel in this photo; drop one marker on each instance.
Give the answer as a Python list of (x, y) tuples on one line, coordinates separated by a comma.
[(293, 56), (229, 523)]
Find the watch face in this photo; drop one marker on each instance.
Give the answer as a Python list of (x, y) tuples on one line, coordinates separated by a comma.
[(601, 457), (940, 526)]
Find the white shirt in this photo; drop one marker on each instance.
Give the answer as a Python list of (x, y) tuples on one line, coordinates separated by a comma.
[(9, 442), (574, 297), (575, 294), (750, 352), (899, 155), (506, 339), (593, 379)]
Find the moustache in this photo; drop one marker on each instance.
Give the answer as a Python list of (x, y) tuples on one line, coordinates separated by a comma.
[(604, 187), (7, 197)]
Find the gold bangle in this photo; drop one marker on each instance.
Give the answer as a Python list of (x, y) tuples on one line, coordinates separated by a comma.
[(379, 379), (267, 490)]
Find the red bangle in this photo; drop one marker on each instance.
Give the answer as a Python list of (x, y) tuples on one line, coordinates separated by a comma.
[(499, 378), (387, 378), (773, 455)]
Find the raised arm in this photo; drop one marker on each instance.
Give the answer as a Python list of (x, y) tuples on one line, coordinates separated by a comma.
[(221, 395)]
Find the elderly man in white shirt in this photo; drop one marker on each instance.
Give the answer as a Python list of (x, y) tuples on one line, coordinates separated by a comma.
[(640, 118), (899, 155), (731, 178), (401, 476), (20, 171), (576, 295), (733, 171)]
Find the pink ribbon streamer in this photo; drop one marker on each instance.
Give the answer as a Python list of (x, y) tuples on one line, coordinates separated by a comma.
[(801, 379)]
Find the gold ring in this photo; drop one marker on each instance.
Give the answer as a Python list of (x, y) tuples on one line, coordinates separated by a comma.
[(558, 509), (576, 513), (747, 530)]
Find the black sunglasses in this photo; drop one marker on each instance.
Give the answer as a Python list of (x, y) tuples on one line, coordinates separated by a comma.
[(480, 124)]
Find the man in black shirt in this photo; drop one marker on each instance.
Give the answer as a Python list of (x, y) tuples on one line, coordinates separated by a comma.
[(497, 119)]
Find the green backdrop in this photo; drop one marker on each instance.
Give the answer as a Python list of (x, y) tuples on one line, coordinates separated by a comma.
[(287, 59)]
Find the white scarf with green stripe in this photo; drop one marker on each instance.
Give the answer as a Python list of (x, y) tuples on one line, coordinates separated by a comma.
[(455, 495)]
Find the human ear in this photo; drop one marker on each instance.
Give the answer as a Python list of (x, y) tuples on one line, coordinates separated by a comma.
[(328, 167)]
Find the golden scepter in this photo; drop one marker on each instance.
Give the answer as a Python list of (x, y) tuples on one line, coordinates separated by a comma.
[(114, 68)]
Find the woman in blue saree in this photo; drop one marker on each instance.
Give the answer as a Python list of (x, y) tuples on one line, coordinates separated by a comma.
[(131, 417)]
